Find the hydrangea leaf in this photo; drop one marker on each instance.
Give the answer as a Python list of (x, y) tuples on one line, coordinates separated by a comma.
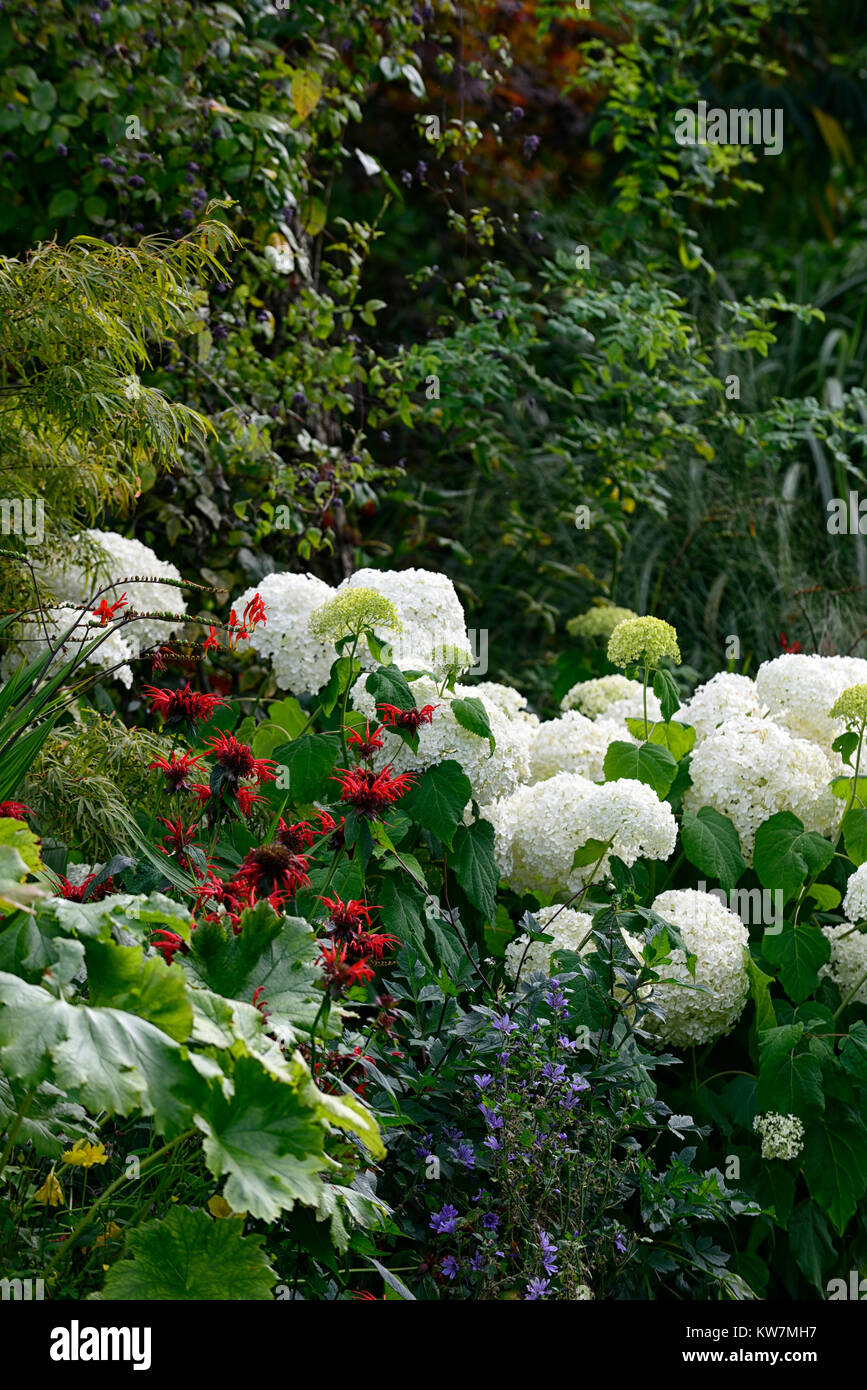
[(798, 951), (711, 842), (267, 1139), (472, 716), (665, 690), (834, 1168), (810, 1243), (648, 763), (438, 799), (475, 867), (677, 738), (760, 994), (790, 1082), (389, 686), (786, 854), (188, 1255), (855, 834), (853, 1053)]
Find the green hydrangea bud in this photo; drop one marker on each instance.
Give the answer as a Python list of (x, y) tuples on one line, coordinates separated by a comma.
[(598, 622), (350, 612), (644, 640), (851, 705)]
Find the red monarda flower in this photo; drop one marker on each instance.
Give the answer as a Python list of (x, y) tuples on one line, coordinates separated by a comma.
[(341, 975), (15, 810), (238, 759), (371, 793), (178, 705), (296, 837), (177, 770), (246, 799), (407, 718), (168, 943), (178, 841), (273, 867), (364, 747), (106, 611), (335, 832), (81, 892), (350, 916)]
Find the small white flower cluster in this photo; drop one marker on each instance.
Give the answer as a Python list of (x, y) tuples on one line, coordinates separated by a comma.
[(301, 663), (573, 743), (433, 635), (569, 931), (492, 774), (749, 769), (539, 828), (855, 901), (72, 583), (725, 696), (848, 964), (799, 691), (615, 697), (718, 939), (782, 1135)]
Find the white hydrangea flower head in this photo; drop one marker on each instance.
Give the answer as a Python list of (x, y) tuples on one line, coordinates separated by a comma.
[(725, 696), (491, 775), (799, 691), (433, 635), (848, 963), (630, 814), (749, 769), (507, 698), (718, 939), (538, 829), (855, 901), (569, 931), (782, 1135), (573, 743), (71, 582), (615, 697), (301, 662)]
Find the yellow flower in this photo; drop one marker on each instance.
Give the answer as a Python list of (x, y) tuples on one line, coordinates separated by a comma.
[(50, 1194), (219, 1207), (84, 1155)]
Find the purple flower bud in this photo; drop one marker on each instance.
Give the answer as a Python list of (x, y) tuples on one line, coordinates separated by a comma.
[(62, 150), (136, 181)]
